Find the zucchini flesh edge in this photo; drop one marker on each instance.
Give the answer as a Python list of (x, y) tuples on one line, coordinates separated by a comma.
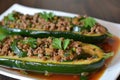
[(66, 34), (42, 67)]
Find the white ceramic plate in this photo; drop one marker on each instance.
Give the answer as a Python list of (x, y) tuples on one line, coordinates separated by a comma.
[(111, 73)]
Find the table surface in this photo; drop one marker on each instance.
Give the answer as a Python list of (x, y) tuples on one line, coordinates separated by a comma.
[(108, 10)]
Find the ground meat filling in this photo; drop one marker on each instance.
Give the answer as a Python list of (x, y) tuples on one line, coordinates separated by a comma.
[(57, 23), (42, 48)]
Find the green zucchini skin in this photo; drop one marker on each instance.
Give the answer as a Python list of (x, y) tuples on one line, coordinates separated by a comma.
[(50, 67), (57, 34)]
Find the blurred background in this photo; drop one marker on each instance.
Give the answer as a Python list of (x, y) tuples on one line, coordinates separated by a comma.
[(103, 9)]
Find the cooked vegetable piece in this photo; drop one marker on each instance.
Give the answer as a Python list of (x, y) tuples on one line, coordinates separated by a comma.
[(68, 35), (45, 57), (36, 65), (80, 28), (47, 43), (48, 21)]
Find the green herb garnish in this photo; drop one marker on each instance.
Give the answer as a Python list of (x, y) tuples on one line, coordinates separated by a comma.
[(30, 41), (47, 16), (108, 55), (57, 43), (66, 43), (11, 17), (2, 36), (89, 22), (3, 33)]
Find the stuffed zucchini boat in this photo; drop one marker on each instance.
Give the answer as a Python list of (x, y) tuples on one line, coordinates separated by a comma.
[(54, 55), (80, 28)]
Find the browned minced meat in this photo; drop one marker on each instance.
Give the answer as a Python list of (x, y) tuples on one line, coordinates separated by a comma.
[(37, 22), (5, 47), (59, 23), (44, 49)]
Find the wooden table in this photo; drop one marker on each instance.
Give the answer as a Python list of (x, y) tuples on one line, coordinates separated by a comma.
[(103, 9)]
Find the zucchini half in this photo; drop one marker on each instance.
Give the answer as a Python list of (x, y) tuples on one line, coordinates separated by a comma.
[(66, 34), (72, 67)]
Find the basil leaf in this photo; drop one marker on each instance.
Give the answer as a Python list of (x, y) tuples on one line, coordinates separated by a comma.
[(108, 55), (56, 43), (89, 22), (66, 43)]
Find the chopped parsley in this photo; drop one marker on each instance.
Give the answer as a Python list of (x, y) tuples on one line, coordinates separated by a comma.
[(89, 22), (3, 33), (30, 41), (66, 43), (58, 44), (47, 16), (11, 17)]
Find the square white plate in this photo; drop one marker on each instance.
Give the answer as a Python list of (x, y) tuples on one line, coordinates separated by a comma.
[(111, 73)]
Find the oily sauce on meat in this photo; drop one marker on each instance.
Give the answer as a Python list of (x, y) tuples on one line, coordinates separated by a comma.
[(110, 44)]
